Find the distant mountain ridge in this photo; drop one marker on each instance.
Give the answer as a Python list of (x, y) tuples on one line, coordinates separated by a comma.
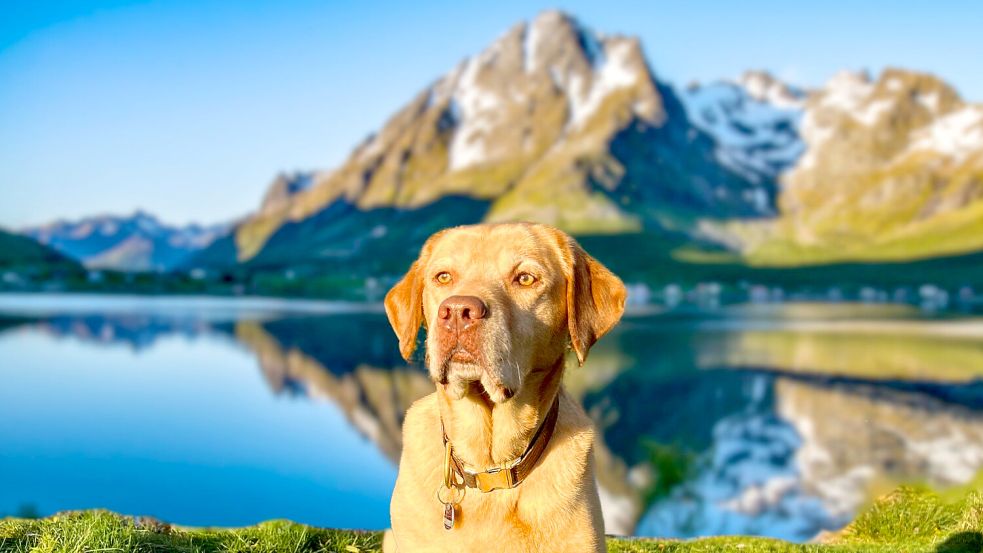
[(138, 242), (558, 124), (552, 123)]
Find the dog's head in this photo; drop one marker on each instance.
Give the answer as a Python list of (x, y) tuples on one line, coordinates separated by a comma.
[(499, 301)]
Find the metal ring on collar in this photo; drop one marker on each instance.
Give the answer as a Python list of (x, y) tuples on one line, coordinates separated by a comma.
[(463, 491)]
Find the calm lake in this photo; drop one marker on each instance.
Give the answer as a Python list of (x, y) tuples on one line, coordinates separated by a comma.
[(779, 420)]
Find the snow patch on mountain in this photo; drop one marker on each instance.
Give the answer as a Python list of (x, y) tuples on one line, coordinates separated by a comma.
[(475, 107), (929, 101), (763, 87), (530, 45), (874, 110), (754, 120), (617, 71), (956, 135), (846, 91), (854, 94), (813, 135)]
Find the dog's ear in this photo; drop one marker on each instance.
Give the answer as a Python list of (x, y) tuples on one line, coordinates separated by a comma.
[(595, 300), (404, 307)]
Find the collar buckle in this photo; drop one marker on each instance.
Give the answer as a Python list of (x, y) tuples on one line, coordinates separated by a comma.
[(495, 479)]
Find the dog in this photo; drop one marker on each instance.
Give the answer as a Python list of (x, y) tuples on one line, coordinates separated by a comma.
[(499, 457)]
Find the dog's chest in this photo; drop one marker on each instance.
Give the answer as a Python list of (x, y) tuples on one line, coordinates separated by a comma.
[(482, 520), (550, 506), (485, 519)]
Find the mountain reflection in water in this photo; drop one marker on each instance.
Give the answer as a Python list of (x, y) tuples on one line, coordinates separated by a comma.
[(779, 423)]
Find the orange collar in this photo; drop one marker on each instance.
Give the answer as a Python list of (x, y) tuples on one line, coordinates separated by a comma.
[(510, 473)]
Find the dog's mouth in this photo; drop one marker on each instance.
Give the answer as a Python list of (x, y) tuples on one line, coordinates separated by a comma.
[(459, 364), (461, 355), (462, 371)]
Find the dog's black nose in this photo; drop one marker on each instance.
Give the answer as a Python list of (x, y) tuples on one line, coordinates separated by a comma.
[(462, 309)]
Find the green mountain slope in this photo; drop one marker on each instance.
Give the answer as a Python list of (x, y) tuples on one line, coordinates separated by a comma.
[(20, 254)]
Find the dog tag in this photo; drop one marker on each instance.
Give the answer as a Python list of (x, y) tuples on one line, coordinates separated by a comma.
[(448, 516)]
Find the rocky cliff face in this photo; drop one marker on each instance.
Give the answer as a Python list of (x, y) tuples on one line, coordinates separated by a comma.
[(284, 188)]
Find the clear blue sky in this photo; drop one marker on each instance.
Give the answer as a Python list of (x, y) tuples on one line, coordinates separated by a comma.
[(188, 108)]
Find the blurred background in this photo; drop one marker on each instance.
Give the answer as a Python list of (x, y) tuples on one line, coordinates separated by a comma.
[(203, 204)]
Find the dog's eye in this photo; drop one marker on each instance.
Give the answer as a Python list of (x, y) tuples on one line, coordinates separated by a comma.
[(525, 279), (442, 277)]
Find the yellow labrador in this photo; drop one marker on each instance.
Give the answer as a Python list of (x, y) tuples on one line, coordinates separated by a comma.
[(499, 458)]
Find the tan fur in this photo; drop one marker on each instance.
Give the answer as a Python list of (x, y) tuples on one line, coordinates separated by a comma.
[(491, 406)]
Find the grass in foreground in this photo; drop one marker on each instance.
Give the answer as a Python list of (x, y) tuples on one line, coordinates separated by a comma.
[(908, 520)]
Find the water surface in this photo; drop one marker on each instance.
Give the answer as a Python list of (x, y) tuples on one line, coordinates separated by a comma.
[(777, 420)]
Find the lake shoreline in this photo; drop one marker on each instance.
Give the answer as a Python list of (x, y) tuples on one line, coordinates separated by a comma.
[(44, 302)]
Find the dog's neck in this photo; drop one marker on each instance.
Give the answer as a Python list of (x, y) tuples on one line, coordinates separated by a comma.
[(485, 434)]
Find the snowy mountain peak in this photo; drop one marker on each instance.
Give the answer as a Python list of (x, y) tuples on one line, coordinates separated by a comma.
[(763, 87), (867, 101), (529, 66), (957, 135), (898, 153), (914, 107)]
